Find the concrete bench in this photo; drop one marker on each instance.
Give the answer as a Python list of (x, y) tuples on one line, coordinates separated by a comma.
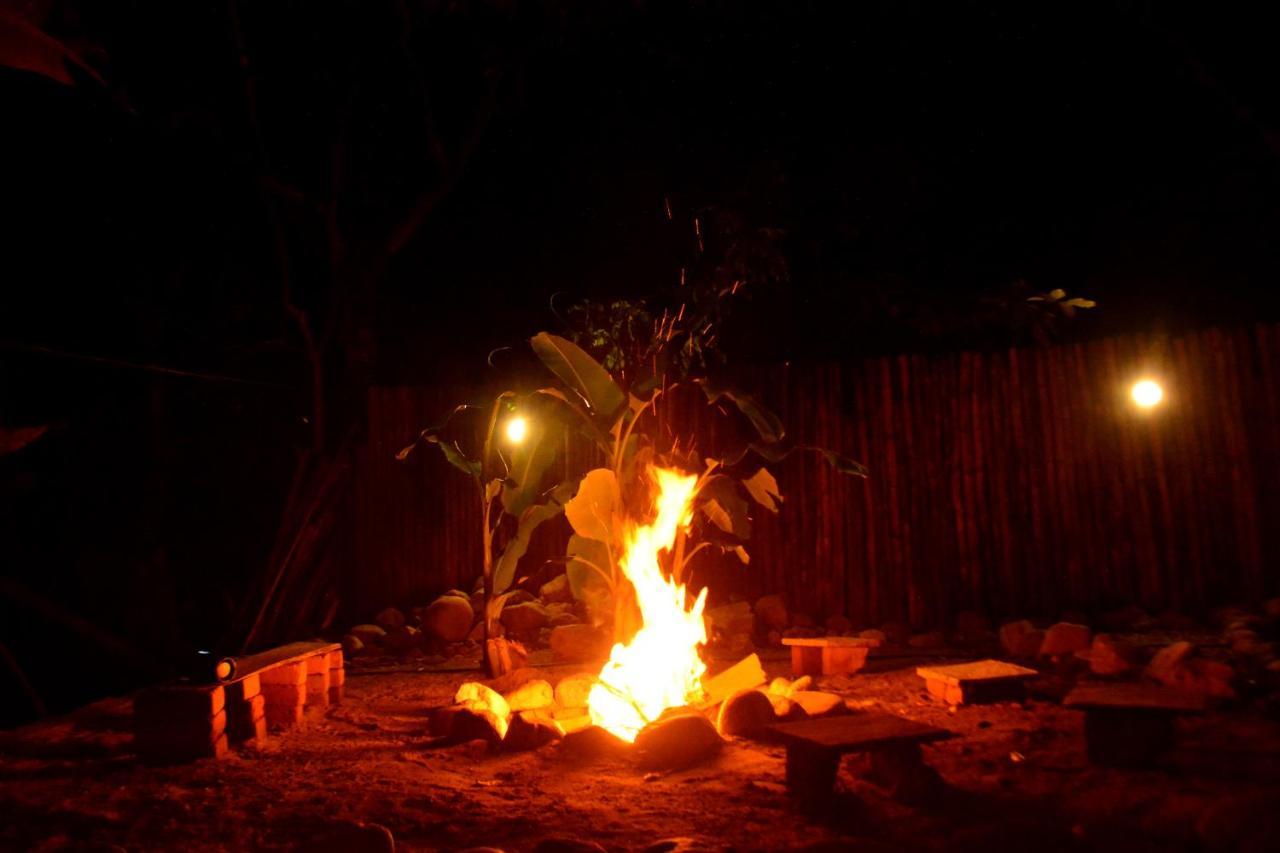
[(977, 682), (1129, 725), (815, 747)]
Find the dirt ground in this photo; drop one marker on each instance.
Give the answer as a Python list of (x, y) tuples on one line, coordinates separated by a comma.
[(1017, 779)]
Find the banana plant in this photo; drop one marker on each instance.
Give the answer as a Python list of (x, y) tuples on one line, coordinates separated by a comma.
[(509, 487), (622, 426)]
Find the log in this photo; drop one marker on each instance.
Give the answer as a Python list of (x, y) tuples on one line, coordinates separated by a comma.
[(743, 675)]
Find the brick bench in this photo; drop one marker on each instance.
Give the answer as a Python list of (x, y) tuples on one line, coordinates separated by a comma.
[(272, 690), (817, 656), (815, 747)]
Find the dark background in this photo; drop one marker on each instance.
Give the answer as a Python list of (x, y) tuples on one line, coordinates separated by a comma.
[(260, 209)]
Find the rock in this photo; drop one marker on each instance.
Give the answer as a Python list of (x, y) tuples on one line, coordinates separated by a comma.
[(440, 720), (404, 639), (839, 626), (729, 619), (1075, 617), (520, 596), (475, 694), (457, 593), (680, 740), (1172, 620), (680, 845), (745, 714), (1125, 620), (556, 589), (524, 618), (474, 722), (896, 633), (573, 690), (510, 681), (1029, 645), (567, 845), (593, 743), (531, 696), (349, 836), (1011, 634), (448, 619), (817, 703), (1233, 615), (390, 619), (930, 640), (1065, 638), (786, 710), (579, 642), (1021, 639), (1272, 608), (530, 730), (352, 645), (1246, 643), (802, 631), (772, 612), (1168, 665), (738, 645), (874, 634), (370, 635), (1110, 656), (1211, 677)]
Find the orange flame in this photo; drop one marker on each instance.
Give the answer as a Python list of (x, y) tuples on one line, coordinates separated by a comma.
[(660, 667)]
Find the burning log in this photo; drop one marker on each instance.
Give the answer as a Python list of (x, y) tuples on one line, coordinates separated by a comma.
[(746, 674)]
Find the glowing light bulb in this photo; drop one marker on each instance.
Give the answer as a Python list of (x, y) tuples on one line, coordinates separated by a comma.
[(1147, 393), (517, 429)]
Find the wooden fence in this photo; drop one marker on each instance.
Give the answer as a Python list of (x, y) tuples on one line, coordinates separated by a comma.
[(1015, 482)]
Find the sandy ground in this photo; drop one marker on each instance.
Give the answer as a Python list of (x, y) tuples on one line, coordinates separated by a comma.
[(1017, 779)]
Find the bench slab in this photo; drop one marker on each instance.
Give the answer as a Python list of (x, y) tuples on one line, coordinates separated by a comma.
[(977, 682), (814, 748), (1130, 725)]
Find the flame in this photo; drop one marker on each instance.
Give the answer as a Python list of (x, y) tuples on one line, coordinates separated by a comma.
[(660, 667)]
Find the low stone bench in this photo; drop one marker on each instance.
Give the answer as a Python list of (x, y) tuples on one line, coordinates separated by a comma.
[(1129, 725), (815, 747)]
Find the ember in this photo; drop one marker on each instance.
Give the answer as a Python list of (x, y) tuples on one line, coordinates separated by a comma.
[(660, 667)]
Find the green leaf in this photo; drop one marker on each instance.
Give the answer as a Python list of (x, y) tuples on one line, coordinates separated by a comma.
[(842, 464), (764, 489), (721, 502), (456, 457), (766, 424), (587, 571), (580, 372), (593, 510), (505, 571)]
